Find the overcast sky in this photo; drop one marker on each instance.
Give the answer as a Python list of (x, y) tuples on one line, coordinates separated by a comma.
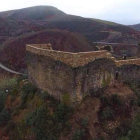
[(120, 11)]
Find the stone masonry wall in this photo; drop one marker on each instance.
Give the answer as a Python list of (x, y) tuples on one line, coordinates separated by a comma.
[(51, 76), (129, 73), (71, 59), (58, 78), (74, 74), (94, 76), (128, 62), (76, 59)]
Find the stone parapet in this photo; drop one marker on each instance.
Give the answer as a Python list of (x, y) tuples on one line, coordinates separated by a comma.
[(128, 62), (76, 59), (72, 59)]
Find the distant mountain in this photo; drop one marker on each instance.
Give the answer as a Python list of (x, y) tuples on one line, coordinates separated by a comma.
[(17, 22), (47, 13), (136, 26), (23, 22), (33, 13)]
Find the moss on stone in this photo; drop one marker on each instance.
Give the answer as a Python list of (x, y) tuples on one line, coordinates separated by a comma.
[(66, 98), (105, 81)]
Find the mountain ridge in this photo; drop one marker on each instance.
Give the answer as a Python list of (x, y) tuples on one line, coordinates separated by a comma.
[(136, 26), (13, 13)]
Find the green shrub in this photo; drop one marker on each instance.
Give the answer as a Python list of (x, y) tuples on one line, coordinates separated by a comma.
[(78, 135), (63, 112), (2, 100), (10, 84), (104, 83), (66, 99), (37, 119), (100, 138), (124, 138), (115, 99), (108, 79), (123, 128), (24, 97), (11, 125), (108, 101), (29, 88), (107, 113), (135, 132), (42, 124), (27, 91), (68, 127), (19, 130), (134, 102), (84, 122), (4, 117), (44, 95), (105, 100), (48, 126)]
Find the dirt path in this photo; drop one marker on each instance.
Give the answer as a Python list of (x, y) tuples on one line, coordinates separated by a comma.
[(9, 70)]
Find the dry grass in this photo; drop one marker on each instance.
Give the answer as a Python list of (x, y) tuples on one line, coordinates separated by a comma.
[(7, 81)]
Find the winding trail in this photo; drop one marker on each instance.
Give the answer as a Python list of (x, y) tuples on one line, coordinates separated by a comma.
[(11, 71)]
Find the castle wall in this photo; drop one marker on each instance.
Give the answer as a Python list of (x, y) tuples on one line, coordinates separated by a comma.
[(58, 78), (94, 76), (129, 73), (128, 62), (74, 74), (71, 59), (52, 76)]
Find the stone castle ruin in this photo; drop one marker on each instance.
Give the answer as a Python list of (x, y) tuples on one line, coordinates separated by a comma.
[(71, 75)]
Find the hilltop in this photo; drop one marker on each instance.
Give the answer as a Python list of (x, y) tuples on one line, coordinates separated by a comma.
[(33, 13)]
